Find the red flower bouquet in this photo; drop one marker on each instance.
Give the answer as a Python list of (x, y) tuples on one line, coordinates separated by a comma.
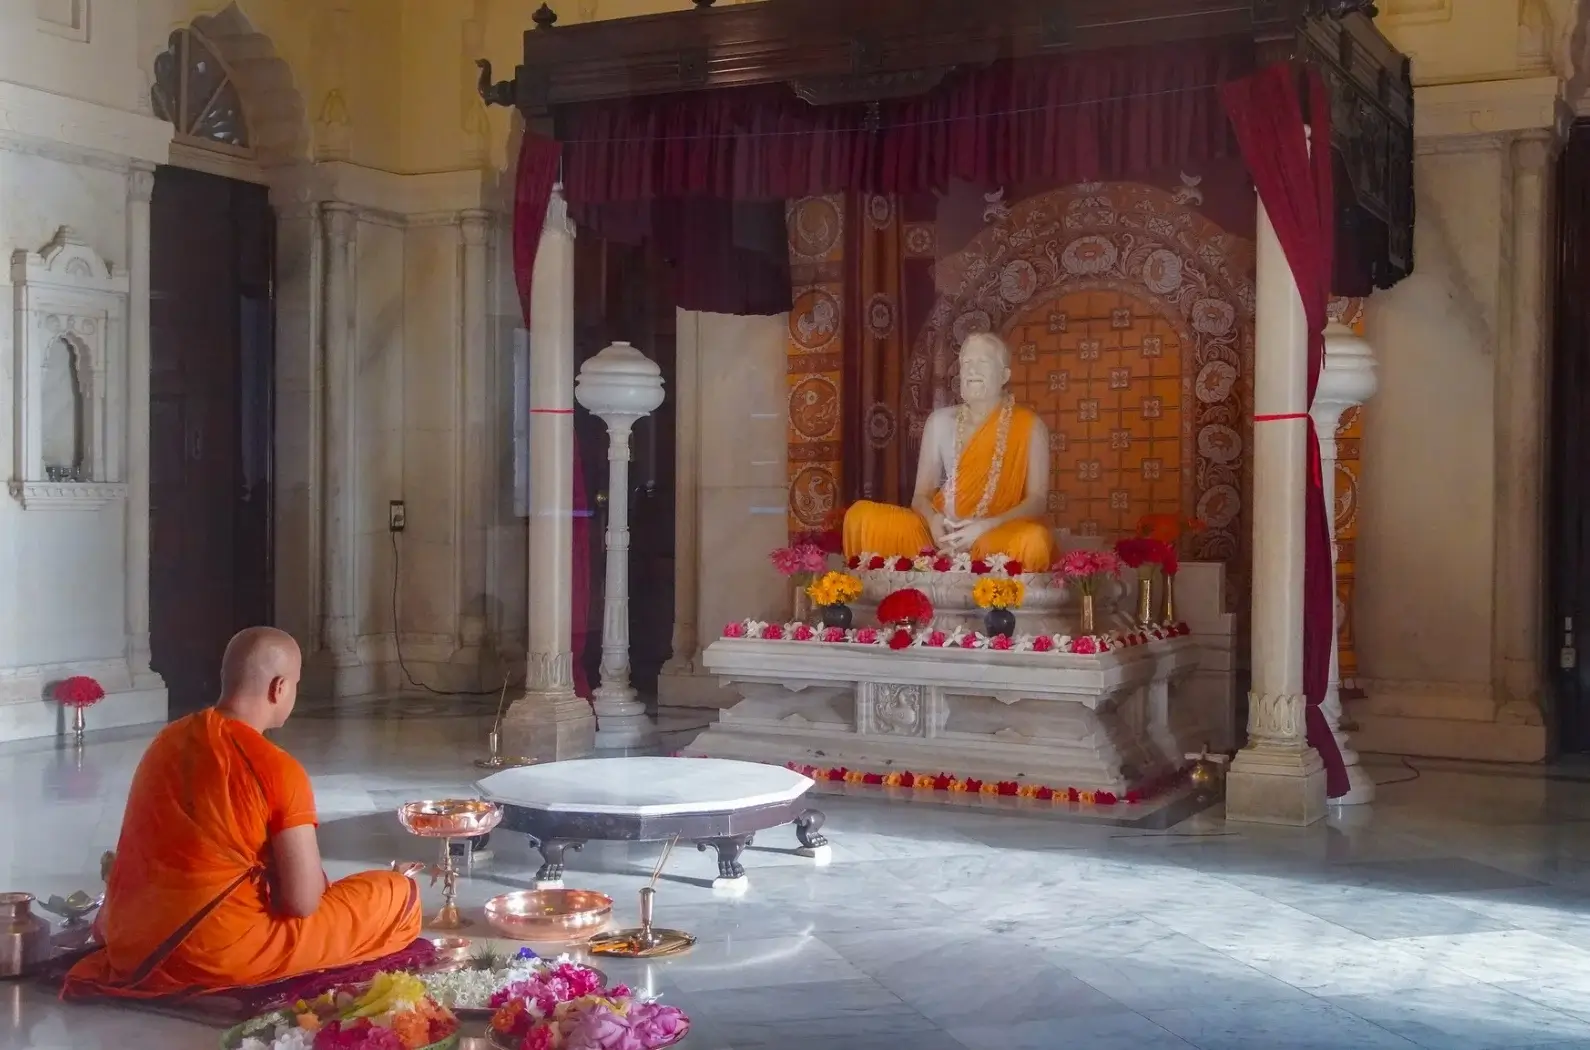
[(79, 691), (908, 607)]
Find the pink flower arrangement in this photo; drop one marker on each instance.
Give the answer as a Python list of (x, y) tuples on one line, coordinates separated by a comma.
[(1000, 642), (734, 630), (79, 691), (773, 632), (833, 634), (800, 558), (1087, 569), (936, 639), (867, 636), (803, 633), (1043, 644), (1085, 646)]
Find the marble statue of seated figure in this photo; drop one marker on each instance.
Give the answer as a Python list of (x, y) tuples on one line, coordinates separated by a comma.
[(982, 480)]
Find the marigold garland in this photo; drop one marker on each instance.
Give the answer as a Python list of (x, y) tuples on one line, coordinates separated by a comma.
[(971, 786)]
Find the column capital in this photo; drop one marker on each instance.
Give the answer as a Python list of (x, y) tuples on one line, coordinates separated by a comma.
[(1535, 150), (475, 223), (342, 220), (141, 182)]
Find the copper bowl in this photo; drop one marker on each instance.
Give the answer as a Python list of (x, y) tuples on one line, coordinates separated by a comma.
[(451, 952), (450, 818), (549, 915)]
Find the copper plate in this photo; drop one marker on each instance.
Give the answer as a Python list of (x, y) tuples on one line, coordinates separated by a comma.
[(449, 818), (549, 915)]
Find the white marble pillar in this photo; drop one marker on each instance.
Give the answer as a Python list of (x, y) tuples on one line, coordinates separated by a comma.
[(140, 191), (549, 721), (1277, 778), (338, 536), (619, 386), (1520, 438), (475, 230), (1348, 379)]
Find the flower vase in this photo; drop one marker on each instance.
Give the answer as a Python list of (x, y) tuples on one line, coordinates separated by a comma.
[(1170, 599), (79, 725), (837, 615), (1088, 625), (1145, 599), (999, 622)]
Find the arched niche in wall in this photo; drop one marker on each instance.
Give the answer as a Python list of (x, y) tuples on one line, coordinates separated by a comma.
[(70, 339)]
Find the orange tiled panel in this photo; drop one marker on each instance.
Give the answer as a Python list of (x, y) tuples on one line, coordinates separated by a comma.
[(1104, 370)]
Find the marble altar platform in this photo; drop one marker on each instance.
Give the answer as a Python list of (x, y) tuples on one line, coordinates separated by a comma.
[(1114, 721)]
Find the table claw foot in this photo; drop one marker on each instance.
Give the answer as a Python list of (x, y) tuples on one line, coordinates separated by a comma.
[(550, 874), (731, 873), (807, 825)]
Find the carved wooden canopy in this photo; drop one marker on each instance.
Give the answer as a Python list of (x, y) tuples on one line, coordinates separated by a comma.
[(849, 51)]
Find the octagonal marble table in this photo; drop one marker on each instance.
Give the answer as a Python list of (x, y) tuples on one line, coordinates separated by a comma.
[(709, 801)]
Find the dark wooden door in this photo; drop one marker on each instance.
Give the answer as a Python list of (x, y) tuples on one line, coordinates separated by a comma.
[(624, 292), (210, 422)]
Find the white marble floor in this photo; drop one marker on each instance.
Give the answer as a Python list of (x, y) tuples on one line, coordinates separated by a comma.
[(1453, 916)]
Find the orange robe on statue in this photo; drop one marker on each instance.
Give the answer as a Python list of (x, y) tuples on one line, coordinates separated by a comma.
[(900, 532), (188, 908)]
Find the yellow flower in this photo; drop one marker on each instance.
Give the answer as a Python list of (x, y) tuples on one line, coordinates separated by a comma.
[(994, 593), (834, 588), (1086, 797), (1027, 791), (853, 777), (892, 780), (990, 788)]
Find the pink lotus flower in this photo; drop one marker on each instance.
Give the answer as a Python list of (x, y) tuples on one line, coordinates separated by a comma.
[(833, 634), (734, 630), (803, 633), (1085, 646)]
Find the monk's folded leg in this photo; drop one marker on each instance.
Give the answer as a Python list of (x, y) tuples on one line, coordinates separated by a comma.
[(1029, 542), (878, 528), (360, 918)]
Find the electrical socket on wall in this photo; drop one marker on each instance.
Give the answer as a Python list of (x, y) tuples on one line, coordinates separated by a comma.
[(396, 517)]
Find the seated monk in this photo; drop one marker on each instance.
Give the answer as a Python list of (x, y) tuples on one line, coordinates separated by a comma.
[(991, 456), (216, 883)]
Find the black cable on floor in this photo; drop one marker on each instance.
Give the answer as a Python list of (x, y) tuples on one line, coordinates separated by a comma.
[(1402, 780), (397, 638)]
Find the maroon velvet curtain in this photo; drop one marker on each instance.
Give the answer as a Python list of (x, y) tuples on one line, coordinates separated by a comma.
[(539, 158), (1075, 118), (1295, 187)]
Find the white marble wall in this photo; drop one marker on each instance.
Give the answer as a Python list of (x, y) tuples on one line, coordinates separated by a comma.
[(741, 437), (64, 608)]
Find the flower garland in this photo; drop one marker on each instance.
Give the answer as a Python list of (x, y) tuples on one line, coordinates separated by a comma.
[(929, 782), (960, 638), (930, 560)]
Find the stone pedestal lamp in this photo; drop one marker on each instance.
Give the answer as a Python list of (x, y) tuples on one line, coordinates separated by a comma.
[(618, 386), (1347, 380)]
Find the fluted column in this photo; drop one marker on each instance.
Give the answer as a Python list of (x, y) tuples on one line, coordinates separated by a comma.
[(1520, 441), (337, 497), (1348, 379), (475, 228), (140, 191), (1277, 778), (548, 721)]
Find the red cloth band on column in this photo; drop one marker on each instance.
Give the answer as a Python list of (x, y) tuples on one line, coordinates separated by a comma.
[(1280, 416)]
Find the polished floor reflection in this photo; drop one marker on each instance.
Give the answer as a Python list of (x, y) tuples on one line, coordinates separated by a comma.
[(1454, 915)]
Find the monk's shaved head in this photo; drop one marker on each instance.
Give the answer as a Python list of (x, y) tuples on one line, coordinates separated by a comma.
[(259, 676)]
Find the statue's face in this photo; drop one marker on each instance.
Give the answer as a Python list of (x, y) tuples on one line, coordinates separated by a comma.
[(983, 372)]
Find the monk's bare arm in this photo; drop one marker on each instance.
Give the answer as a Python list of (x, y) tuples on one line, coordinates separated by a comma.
[(298, 877)]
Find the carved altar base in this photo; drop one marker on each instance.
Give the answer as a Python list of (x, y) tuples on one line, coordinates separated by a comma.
[(1115, 721)]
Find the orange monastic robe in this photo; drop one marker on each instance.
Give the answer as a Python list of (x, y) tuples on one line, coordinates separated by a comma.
[(896, 532), (188, 905)]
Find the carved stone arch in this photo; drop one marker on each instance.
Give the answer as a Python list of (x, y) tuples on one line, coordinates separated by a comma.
[(272, 109), (1153, 246)]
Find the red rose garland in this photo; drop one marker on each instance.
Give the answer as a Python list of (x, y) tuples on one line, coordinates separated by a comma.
[(1005, 788)]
